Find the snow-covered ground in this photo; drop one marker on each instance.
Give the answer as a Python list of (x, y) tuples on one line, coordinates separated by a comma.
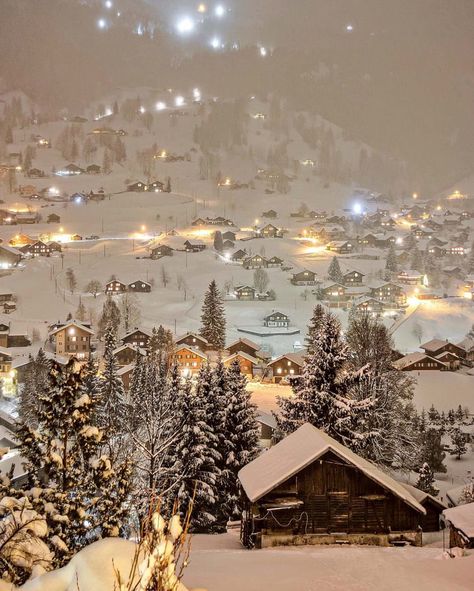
[(219, 562)]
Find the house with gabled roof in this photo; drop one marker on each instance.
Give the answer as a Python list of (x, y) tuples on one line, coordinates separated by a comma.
[(72, 339), (285, 366), (328, 493)]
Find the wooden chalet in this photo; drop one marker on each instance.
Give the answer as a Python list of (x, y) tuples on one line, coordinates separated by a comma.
[(194, 246), (161, 250), (137, 338), (238, 256), (276, 319), (274, 262), (311, 489), (156, 187), (115, 287), (341, 246), (189, 360), (269, 231), (460, 521), (139, 286), (286, 366), (352, 278), (138, 187), (410, 277), (433, 507), (53, 218), (93, 169), (247, 363), (367, 305), (388, 293), (229, 235), (194, 340), (37, 249), (257, 261), (245, 292), (127, 354), (437, 346), (244, 346), (420, 362), (305, 277), (72, 339), (125, 374), (333, 292), (9, 256), (270, 214)]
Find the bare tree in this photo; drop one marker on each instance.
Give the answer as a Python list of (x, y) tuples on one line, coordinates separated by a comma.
[(129, 311), (94, 287), (260, 280), (165, 278)]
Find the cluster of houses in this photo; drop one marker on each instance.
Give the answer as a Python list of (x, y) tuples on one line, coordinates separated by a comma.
[(151, 186), (439, 355), (116, 287)]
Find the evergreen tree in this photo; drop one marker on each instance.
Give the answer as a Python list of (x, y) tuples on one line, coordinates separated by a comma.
[(241, 436), (467, 494), (218, 241), (432, 452), (112, 411), (80, 491), (110, 316), (334, 271), (315, 325), (81, 313), (458, 443), (417, 262), (213, 318), (470, 260), (36, 384), (197, 455), (426, 480), (391, 262), (161, 342), (323, 394)]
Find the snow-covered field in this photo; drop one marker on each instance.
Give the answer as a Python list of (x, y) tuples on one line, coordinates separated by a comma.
[(219, 563)]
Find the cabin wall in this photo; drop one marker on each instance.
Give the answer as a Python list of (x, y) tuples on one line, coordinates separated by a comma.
[(336, 497)]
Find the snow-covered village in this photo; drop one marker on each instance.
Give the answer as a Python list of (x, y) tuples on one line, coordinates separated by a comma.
[(236, 295)]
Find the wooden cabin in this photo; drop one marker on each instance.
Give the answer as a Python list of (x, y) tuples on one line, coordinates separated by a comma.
[(189, 360), (461, 525), (137, 338), (285, 366), (311, 489), (247, 363), (194, 340), (127, 354)]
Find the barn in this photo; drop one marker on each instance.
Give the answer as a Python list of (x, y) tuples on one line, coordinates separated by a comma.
[(310, 489)]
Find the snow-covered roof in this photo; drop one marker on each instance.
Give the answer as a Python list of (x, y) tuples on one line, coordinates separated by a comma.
[(295, 357), (243, 355), (299, 450), (134, 348), (135, 330), (267, 418), (421, 496), (125, 369), (72, 323), (192, 349), (462, 518), (434, 344), (245, 341), (414, 358)]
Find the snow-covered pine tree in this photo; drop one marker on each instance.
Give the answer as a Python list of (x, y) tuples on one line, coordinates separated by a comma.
[(470, 260), (458, 443), (432, 451), (467, 494), (213, 317), (426, 480), (196, 455), (334, 271), (323, 396), (36, 381), (315, 325), (392, 438), (241, 434), (110, 315), (79, 489), (161, 341), (112, 409), (391, 262)]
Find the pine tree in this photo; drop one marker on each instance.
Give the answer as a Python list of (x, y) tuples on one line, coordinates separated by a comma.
[(81, 313), (432, 451), (315, 325), (323, 394), (458, 443), (218, 241), (213, 318), (161, 342), (417, 262), (36, 383), (426, 480), (196, 455), (81, 492), (467, 494), (110, 315), (334, 271), (470, 260), (241, 436), (391, 262), (71, 279), (112, 410)]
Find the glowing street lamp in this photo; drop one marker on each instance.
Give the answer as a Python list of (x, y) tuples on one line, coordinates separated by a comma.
[(219, 11), (102, 23), (185, 25), (179, 101), (202, 8), (215, 43), (263, 51), (108, 3), (160, 106)]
